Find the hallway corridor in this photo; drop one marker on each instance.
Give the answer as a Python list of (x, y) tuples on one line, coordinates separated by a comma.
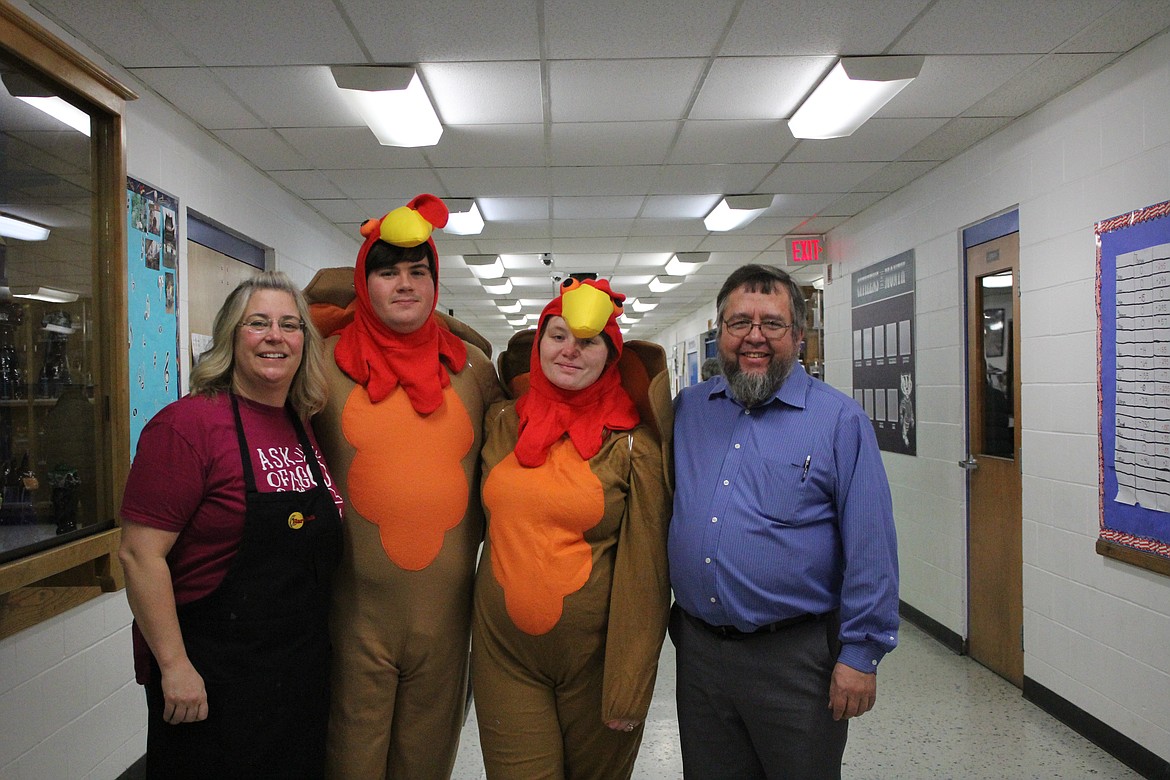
[(939, 716)]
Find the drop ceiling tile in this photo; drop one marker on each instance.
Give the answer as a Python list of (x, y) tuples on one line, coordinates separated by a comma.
[(819, 177), (445, 30), (611, 143), (711, 179), (349, 148), (264, 149), (197, 93), (305, 96), (228, 32), (878, 140), (621, 90), (732, 141), (488, 146), (485, 93), (394, 187), (963, 27), (819, 26), (758, 87), (597, 207), (647, 28)]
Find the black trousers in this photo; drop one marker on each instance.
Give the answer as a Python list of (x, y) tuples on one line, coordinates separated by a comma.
[(757, 706)]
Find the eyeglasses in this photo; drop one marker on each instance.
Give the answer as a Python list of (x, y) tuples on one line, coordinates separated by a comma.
[(287, 325), (768, 328)]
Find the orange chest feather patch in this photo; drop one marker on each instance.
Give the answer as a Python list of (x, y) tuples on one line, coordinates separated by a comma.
[(539, 517), (407, 474)]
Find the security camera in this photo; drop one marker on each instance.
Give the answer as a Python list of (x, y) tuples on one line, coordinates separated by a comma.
[(557, 277), (547, 259)]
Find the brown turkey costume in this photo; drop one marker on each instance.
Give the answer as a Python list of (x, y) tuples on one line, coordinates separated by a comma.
[(572, 592), (402, 434)]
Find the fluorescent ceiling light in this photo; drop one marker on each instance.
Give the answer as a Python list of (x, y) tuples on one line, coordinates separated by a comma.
[(393, 102), (629, 317), (999, 280), (463, 218), (23, 230), (518, 322), (49, 295), (683, 263), (853, 91), (664, 283), (498, 287), (735, 211), (644, 304), (509, 307), (485, 266)]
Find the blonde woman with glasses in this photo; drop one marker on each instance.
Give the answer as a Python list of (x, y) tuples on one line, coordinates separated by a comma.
[(230, 535)]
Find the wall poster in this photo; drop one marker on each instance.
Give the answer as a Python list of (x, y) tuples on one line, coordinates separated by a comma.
[(883, 350), (152, 256), (1133, 386)]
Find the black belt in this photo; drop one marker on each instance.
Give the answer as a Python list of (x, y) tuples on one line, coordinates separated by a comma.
[(731, 632)]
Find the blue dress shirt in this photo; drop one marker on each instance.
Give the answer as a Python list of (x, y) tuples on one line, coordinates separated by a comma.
[(784, 509)]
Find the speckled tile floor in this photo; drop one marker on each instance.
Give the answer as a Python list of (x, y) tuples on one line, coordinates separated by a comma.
[(939, 717)]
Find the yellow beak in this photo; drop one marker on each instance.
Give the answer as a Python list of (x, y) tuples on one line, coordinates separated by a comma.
[(586, 310), (405, 227)]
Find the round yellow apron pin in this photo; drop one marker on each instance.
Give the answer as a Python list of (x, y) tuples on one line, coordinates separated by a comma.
[(296, 520)]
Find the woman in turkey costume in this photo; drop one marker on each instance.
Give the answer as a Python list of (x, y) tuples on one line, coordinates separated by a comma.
[(572, 592), (403, 426)]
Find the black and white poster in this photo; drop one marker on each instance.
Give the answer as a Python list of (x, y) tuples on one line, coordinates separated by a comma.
[(883, 350)]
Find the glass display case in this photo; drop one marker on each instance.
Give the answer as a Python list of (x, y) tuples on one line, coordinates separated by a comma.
[(64, 436)]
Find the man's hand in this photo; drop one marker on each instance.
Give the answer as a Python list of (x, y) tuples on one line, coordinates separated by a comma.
[(851, 693)]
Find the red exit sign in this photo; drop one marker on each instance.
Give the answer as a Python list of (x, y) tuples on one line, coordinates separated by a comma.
[(805, 249)]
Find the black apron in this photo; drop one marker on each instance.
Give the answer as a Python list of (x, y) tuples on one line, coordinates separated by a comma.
[(261, 642)]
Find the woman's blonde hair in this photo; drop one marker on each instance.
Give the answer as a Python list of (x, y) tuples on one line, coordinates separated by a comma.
[(214, 372)]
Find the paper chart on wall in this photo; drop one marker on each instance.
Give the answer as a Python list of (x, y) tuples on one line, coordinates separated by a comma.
[(1142, 444)]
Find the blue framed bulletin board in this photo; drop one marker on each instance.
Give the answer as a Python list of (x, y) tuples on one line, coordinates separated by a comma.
[(152, 257), (1133, 386)]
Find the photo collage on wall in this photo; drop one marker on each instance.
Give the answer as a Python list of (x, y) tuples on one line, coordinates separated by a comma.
[(883, 350), (152, 256)]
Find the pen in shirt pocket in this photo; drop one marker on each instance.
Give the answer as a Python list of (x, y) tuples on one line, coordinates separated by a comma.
[(807, 463)]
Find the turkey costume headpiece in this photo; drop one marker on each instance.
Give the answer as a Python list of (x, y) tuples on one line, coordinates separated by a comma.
[(548, 412), (372, 354)]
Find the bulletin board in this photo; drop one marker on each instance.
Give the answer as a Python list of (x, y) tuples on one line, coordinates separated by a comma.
[(1133, 386), (883, 350), (152, 256)]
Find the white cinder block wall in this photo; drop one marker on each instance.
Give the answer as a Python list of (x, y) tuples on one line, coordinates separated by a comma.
[(1096, 631), (69, 706)]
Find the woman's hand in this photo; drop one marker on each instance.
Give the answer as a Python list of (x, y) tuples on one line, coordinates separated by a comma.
[(622, 724), (152, 600), (184, 697)]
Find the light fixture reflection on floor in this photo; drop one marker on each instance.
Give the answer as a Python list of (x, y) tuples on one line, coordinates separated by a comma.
[(463, 217), (392, 102), (22, 229), (853, 91), (735, 211)]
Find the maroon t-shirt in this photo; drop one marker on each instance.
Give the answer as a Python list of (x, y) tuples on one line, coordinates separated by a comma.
[(187, 478)]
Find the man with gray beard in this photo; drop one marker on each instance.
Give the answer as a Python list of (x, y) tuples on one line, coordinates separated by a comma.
[(783, 558)]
